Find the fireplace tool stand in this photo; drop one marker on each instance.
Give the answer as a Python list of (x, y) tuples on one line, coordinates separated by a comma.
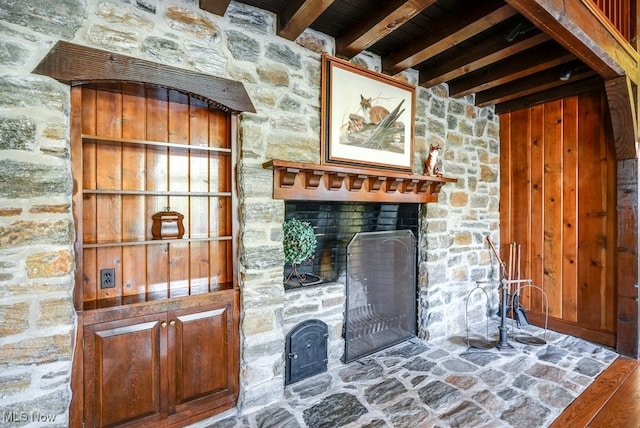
[(528, 339), (510, 302), (476, 342)]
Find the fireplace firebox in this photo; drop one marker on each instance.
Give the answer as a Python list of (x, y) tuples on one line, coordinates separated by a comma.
[(380, 292), (335, 223)]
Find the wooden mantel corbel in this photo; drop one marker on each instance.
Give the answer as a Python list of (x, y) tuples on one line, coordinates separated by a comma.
[(314, 182)]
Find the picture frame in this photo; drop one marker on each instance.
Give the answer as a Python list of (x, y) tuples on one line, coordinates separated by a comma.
[(367, 118)]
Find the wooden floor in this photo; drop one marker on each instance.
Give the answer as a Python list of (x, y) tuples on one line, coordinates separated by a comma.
[(612, 400)]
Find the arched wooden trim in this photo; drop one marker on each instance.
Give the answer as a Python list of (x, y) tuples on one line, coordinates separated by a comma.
[(75, 64)]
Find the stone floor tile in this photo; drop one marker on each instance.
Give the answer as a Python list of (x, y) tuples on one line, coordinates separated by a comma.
[(439, 384)]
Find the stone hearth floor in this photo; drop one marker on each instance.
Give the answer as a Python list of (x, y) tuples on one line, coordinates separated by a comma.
[(439, 384)]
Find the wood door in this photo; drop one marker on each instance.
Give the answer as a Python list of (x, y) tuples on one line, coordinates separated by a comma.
[(123, 362), (558, 201), (203, 363)]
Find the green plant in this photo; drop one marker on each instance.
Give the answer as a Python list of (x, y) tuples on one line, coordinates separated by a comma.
[(299, 241)]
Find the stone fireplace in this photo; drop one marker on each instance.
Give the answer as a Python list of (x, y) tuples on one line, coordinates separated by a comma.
[(282, 78)]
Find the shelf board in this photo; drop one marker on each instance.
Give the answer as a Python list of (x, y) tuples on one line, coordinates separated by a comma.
[(321, 182), (153, 242), (86, 137), (153, 193)]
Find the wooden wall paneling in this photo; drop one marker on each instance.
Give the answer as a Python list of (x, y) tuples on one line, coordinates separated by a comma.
[(505, 186), (570, 210), (553, 203), (219, 267), (199, 206), (179, 181), (157, 179), (521, 188), (611, 182), (133, 178), (592, 215), (109, 177), (89, 220), (77, 382), (628, 342), (219, 130), (530, 298)]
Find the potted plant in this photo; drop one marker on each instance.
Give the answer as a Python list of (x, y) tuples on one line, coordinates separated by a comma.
[(299, 245)]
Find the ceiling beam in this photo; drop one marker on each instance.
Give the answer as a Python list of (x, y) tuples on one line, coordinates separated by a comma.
[(578, 27), (538, 82), (540, 58), (447, 34), (299, 15), (217, 7), (382, 21), (492, 50), (570, 90)]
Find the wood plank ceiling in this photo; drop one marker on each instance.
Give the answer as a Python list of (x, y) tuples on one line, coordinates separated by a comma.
[(483, 47)]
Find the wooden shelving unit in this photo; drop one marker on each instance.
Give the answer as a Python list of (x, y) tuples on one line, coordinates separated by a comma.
[(315, 182), (163, 334)]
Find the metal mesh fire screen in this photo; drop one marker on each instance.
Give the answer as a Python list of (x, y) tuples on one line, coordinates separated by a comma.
[(381, 291)]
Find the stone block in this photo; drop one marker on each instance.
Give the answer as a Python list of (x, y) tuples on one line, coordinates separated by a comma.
[(37, 350), (50, 264), (243, 47), (61, 18), (14, 384), (313, 41), (27, 232), (13, 54), (190, 22), (33, 91), (293, 147), (459, 199), (119, 15), (26, 179), (14, 318), (258, 321), (17, 133), (10, 212), (50, 209), (283, 54), (273, 74), (251, 18), (55, 312), (162, 50), (113, 39)]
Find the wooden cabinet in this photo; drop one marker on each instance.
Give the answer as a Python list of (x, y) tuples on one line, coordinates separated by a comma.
[(160, 316), (160, 367)]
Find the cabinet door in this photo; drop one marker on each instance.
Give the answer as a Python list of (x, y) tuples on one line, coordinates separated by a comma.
[(122, 365), (204, 358)]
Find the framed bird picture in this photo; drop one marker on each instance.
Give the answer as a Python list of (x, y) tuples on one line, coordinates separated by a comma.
[(367, 117)]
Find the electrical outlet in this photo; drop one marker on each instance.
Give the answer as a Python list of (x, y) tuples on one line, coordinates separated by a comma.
[(107, 278)]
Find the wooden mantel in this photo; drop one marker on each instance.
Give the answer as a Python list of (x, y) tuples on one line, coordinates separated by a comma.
[(314, 182)]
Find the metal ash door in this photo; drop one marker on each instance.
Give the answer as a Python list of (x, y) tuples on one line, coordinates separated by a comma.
[(381, 292), (306, 351)]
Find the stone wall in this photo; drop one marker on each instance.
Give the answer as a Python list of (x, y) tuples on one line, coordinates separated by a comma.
[(283, 80)]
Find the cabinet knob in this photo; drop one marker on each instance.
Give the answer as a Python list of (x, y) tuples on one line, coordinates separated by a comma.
[(163, 324), (172, 323)]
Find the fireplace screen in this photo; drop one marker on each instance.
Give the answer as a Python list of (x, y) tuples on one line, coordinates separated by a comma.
[(381, 291)]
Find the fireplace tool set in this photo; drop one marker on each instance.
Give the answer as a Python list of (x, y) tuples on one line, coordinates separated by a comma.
[(510, 306)]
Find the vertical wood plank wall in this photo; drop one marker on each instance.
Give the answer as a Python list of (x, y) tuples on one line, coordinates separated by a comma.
[(558, 201)]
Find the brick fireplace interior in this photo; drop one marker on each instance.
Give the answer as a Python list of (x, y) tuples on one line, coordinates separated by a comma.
[(335, 224)]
